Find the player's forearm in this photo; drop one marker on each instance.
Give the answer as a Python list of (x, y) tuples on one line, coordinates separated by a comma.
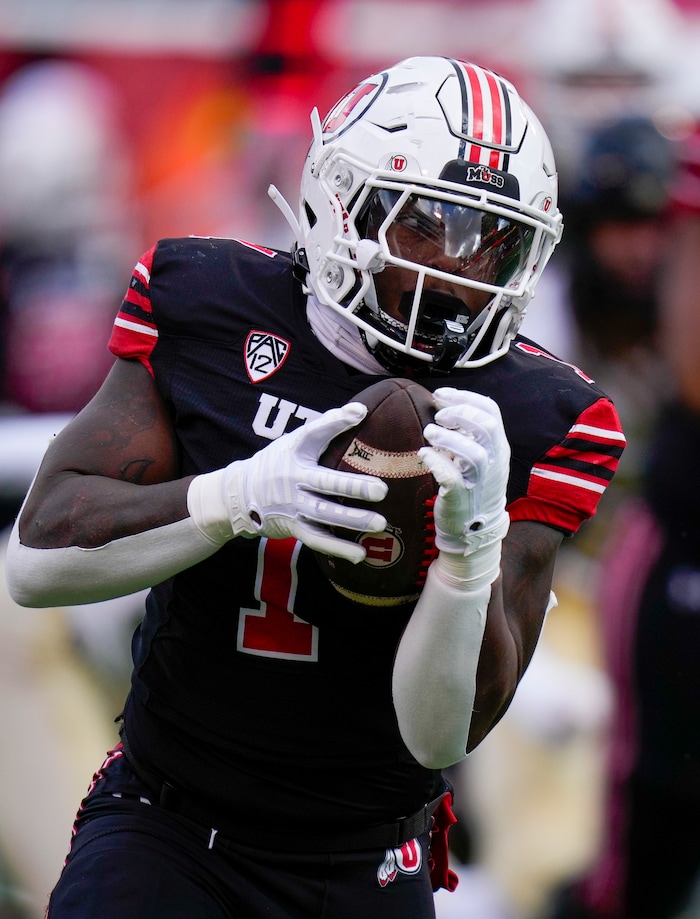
[(91, 510), (96, 539), (434, 681), (72, 575), (517, 609)]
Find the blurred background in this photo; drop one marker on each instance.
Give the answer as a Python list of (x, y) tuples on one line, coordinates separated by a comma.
[(122, 121)]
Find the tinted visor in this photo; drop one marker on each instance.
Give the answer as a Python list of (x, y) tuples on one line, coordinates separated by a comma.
[(465, 241)]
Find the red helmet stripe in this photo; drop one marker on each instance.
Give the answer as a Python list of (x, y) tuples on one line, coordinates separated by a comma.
[(497, 116), (485, 117), (344, 109)]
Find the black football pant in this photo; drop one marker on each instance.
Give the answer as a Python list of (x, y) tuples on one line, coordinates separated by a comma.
[(132, 860)]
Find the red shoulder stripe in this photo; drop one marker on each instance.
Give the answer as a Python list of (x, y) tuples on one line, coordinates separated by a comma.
[(135, 333), (567, 483)]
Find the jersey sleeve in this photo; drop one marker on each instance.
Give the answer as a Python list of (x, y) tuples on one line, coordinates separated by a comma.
[(565, 484), (134, 334)]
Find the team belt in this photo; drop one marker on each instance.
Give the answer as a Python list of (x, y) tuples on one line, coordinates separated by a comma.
[(380, 836)]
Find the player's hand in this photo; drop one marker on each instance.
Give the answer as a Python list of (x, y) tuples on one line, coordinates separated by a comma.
[(282, 492), (469, 456)]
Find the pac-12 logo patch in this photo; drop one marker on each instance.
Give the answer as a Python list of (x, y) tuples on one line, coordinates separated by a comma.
[(264, 354), (406, 859)]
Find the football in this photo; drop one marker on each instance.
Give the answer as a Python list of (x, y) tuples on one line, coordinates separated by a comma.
[(386, 444)]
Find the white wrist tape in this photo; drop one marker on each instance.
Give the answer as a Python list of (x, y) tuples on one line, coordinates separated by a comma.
[(206, 502), (434, 679), (471, 572), (73, 575)]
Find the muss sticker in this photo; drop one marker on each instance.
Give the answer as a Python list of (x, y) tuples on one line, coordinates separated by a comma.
[(264, 354)]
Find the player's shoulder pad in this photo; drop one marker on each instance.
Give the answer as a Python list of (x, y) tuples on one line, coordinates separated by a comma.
[(198, 282), (536, 355)]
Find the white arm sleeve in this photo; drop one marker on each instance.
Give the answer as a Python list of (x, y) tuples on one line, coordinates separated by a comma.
[(434, 678), (73, 575)]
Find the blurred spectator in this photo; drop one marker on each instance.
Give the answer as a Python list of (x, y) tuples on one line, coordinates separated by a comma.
[(649, 862), (64, 199), (65, 226), (66, 232), (599, 309)]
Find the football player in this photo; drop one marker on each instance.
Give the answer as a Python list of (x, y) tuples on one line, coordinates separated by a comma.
[(281, 746)]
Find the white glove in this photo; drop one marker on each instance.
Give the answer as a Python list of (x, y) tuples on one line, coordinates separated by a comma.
[(470, 459), (282, 492)]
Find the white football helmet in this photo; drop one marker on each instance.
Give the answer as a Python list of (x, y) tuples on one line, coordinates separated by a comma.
[(437, 167)]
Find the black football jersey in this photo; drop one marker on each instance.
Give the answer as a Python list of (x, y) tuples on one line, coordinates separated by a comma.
[(256, 686)]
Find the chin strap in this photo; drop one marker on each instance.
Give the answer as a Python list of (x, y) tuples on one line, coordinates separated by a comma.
[(455, 341), (392, 361), (400, 364), (300, 264)]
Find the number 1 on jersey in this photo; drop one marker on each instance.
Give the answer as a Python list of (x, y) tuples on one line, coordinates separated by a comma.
[(273, 630)]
